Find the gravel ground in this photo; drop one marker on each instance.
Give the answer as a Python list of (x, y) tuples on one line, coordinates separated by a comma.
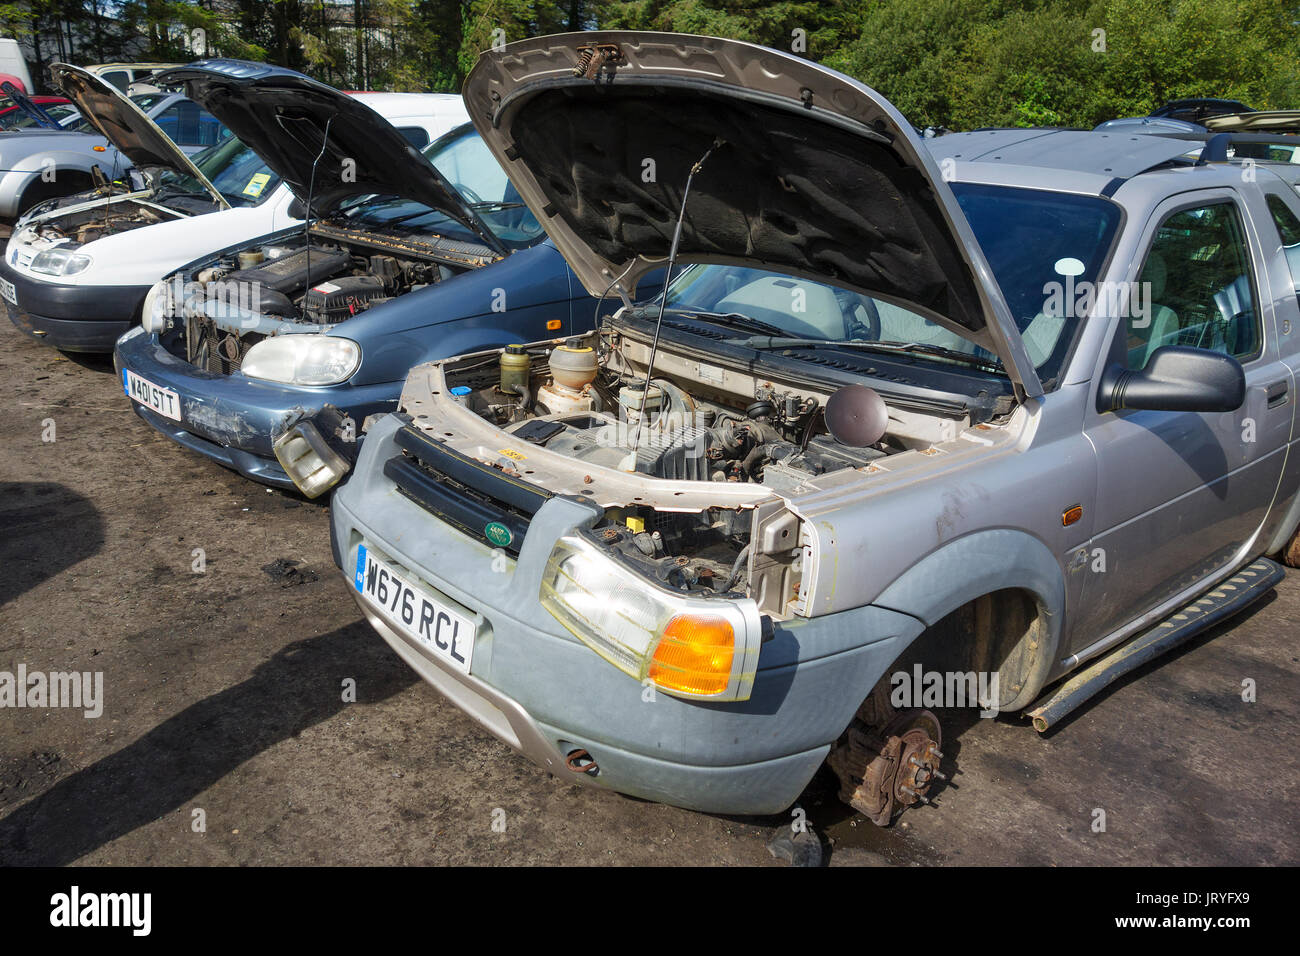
[(223, 703)]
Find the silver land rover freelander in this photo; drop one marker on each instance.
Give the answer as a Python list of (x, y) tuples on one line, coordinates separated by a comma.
[(1015, 403)]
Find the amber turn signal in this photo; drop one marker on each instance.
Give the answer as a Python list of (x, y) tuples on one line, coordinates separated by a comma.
[(694, 655)]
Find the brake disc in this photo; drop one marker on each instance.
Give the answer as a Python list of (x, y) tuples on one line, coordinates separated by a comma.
[(885, 770)]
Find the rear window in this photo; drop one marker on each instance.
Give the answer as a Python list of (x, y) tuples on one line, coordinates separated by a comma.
[(1288, 230)]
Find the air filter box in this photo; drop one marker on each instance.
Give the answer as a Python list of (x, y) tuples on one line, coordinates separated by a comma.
[(339, 299)]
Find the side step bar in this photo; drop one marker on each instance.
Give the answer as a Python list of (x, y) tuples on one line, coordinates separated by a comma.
[(1231, 596)]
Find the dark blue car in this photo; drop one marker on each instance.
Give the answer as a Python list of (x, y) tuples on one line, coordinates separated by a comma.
[(409, 258)]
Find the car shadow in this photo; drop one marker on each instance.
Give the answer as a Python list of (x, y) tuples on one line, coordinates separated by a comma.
[(186, 754), (92, 361), (29, 552)]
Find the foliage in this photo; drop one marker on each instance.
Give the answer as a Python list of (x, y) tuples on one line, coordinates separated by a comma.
[(955, 63)]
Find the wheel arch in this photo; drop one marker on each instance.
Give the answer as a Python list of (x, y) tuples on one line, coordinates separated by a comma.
[(999, 567)]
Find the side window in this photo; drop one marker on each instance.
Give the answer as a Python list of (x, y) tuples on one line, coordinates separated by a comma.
[(1195, 288), (414, 135), (1288, 230), (119, 78)]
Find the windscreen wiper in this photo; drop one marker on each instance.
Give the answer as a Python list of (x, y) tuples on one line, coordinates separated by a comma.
[(494, 204), (173, 189), (724, 318), (919, 348), (409, 216)]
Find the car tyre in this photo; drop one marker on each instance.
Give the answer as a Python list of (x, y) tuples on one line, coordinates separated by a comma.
[(40, 191), (1291, 553)]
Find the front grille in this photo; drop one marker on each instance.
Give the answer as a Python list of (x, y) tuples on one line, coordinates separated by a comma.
[(214, 349), (462, 491)]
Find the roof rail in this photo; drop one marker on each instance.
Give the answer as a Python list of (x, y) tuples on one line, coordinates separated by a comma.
[(1216, 144)]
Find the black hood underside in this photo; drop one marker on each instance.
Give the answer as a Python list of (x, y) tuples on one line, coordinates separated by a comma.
[(840, 207), (328, 147)]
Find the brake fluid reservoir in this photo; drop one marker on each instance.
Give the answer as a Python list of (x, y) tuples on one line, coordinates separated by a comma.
[(633, 397)]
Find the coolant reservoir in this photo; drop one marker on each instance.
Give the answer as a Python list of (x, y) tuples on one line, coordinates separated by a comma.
[(573, 369), (573, 366), (515, 364)]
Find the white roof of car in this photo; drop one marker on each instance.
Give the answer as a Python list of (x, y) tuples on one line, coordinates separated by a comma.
[(402, 105)]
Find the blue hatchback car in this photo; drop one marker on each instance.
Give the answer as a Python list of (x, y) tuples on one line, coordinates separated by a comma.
[(301, 335)]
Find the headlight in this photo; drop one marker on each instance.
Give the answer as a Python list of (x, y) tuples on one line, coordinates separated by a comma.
[(158, 307), (60, 262), (689, 647), (303, 359)]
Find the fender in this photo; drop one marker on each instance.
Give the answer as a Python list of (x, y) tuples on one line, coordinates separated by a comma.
[(980, 563), (15, 180)]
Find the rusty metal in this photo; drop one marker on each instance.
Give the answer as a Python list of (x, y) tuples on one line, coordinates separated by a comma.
[(592, 58), (573, 759), (431, 246), (1247, 586), (887, 760)]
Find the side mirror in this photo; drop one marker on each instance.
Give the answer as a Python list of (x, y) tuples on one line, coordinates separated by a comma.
[(1177, 379), (297, 210)]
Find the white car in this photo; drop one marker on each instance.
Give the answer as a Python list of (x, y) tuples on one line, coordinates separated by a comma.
[(77, 269)]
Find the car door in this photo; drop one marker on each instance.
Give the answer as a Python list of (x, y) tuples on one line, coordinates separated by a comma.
[(1281, 211), (1182, 495)]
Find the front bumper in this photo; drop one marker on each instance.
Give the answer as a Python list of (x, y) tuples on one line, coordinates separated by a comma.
[(232, 419), (75, 318), (538, 689)]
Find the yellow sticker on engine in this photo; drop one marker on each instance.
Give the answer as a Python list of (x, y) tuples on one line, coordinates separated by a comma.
[(511, 453), (257, 184)]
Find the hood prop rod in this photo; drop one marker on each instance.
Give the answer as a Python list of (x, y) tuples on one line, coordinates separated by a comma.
[(117, 155), (663, 302), (311, 195)]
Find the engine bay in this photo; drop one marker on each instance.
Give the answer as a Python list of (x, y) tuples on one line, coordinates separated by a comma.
[(86, 225), (220, 309), (325, 281), (670, 432), (319, 284), (716, 453), (586, 398)]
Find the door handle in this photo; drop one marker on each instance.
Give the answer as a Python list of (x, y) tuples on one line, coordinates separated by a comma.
[(1279, 393)]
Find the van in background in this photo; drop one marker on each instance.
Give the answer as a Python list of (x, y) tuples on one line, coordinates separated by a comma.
[(13, 63)]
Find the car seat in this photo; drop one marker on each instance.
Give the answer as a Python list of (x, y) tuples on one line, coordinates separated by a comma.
[(1163, 326)]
